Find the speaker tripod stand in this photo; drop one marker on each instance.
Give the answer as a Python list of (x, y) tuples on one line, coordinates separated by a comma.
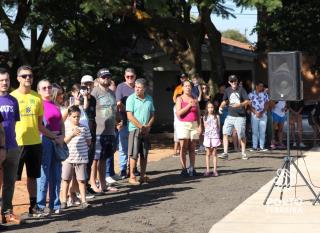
[(285, 169)]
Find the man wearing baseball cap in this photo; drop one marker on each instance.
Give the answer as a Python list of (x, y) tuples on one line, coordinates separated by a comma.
[(86, 88), (178, 89), (106, 109), (237, 99)]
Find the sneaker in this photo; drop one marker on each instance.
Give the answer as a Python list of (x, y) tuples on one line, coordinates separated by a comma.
[(302, 145), (85, 205), (109, 180), (294, 144), (91, 191), (201, 150), (223, 156), (253, 149), (10, 218), (37, 212), (192, 172), (57, 211), (184, 173), (74, 202), (244, 156), (263, 149), (123, 174), (117, 177), (88, 195)]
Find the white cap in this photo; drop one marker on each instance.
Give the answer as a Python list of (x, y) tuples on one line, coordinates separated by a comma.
[(86, 78)]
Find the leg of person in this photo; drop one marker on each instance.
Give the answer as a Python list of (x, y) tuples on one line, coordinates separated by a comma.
[(227, 131), (123, 151), (93, 176), (82, 188), (10, 168), (292, 123), (194, 139), (215, 161), (235, 140), (109, 148), (280, 134), (208, 153), (240, 126), (192, 156), (255, 131), (46, 172), (102, 173), (184, 145), (300, 131), (66, 176), (133, 152), (262, 131), (81, 177), (144, 151), (54, 186), (33, 166)]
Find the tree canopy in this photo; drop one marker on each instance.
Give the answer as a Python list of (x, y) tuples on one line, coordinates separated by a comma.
[(235, 35), (89, 34)]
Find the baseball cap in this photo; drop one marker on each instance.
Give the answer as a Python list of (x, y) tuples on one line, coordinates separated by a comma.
[(103, 72), (86, 79), (232, 78)]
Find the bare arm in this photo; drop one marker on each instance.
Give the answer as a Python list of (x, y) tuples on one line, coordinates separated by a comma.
[(134, 120), (181, 111)]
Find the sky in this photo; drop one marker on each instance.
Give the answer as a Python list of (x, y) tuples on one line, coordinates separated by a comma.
[(244, 23)]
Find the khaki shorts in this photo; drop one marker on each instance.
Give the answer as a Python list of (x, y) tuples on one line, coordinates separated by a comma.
[(71, 169), (187, 130)]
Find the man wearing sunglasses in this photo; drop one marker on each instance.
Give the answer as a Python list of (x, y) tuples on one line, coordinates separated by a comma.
[(28, 133), (237, 99), (106, 109)]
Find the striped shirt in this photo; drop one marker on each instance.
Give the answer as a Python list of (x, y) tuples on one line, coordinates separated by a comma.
[(78, 148)]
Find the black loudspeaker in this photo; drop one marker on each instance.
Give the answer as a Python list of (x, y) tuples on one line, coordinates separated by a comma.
[(284, 71)]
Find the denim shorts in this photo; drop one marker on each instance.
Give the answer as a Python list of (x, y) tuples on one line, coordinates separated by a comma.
[(239, 123), (278, 119)]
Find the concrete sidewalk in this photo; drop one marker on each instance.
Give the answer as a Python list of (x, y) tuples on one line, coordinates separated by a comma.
[(294, 213)]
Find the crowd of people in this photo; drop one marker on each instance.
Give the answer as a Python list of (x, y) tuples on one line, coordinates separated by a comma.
[(233, 112), (87, 124), (97, 117)]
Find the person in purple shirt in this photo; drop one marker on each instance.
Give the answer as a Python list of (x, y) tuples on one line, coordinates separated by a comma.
[(123, 90), (9, 109)]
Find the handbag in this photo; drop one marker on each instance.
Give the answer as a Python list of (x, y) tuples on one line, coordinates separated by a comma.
[(61, 152)]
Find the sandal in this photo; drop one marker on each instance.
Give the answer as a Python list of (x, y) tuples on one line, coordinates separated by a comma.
[(206, 174), (215, 174), (110, 189), (133, 181), (146, 179)]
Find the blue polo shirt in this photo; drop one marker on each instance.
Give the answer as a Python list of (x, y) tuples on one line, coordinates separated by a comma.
[(140, 108)]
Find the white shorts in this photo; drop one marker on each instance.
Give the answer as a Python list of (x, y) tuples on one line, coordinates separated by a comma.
[(187, 130)]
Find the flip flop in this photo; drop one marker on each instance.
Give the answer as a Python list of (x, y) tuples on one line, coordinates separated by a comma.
[(110, 189)]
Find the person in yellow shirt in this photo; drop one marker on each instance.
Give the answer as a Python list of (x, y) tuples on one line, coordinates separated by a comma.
[(28, 133), (178, 90)]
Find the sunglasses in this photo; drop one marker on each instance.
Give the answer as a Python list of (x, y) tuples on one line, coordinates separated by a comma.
[(46, 88), (233, 81), (26, 75)]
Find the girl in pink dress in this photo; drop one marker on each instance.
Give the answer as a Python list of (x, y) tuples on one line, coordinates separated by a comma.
[(211, 141)]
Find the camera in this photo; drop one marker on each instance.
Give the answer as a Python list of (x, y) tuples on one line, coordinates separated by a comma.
[(83, 90)]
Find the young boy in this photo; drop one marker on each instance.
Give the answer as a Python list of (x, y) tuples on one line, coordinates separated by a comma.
[(78, 138)]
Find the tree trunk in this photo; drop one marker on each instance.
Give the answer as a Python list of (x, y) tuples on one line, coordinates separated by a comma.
[(215, 47)]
